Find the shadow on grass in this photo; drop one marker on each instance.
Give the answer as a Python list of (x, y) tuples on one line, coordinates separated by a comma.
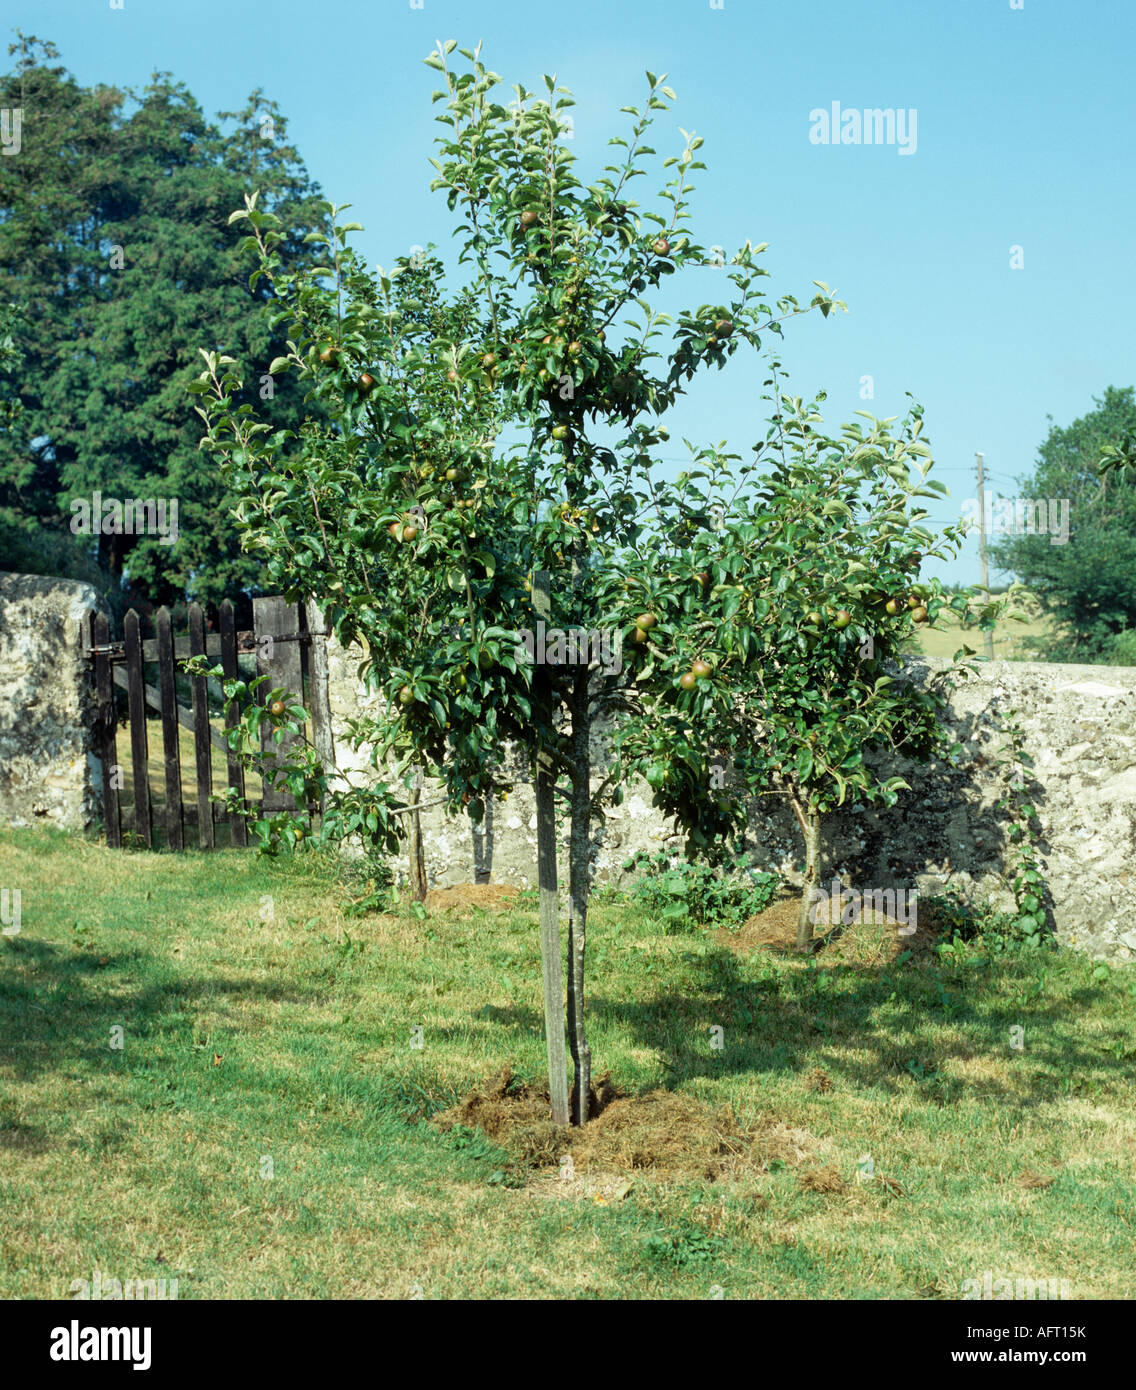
[(56, 1014), (835, 1017)]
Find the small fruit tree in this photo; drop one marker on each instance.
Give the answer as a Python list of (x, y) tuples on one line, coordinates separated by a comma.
[(839, 533), (485, 510)]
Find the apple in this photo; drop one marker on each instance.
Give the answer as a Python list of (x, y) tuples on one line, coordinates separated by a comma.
[(277, 707), (560, 431), (329, 356), (529, 218), (919, 615), (395, 529), (724, 327), (646, 621), (688, 681), (366, 383), (842, 619), (892, 606), (452, 475), (406, 696), (639, 637), (913, 602), (700, 668), (410, 533), (452, 375), (703, 578), (662, 247), (814, 618), (575, 349), (489, 361)]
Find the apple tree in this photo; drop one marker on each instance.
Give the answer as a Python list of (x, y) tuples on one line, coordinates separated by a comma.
[(485, 512), (838, 536)]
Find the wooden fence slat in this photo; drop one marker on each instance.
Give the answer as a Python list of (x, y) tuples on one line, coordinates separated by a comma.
[(139, 756), (201, 744), (104, 733), (279, 659), (238, 826), (167, 683)]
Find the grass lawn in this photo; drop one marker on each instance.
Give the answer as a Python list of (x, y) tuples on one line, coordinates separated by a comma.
[(266, 1129)]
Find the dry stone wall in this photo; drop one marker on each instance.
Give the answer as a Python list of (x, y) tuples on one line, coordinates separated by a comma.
[(48, 769), (1078, 724)]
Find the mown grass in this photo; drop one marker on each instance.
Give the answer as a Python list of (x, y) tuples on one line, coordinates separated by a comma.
[(261, 1024)]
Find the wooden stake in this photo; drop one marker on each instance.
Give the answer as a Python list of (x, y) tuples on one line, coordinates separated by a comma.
[(552, 968)]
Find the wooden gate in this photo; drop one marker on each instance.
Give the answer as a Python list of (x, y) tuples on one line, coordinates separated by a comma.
[(144, 798)]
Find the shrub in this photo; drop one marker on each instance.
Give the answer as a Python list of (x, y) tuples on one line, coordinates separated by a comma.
[(686, 895)]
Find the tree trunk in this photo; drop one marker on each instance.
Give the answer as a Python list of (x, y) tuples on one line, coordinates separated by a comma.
[(810, 825), (578, 898), (552, 970)]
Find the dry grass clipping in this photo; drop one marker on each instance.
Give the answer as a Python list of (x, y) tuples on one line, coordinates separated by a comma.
[(666, 1132)]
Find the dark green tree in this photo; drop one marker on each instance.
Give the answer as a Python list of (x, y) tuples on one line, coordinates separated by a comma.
[(116, 248), (1087, 585)]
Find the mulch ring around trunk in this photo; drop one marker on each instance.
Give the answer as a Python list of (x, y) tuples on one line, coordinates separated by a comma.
[(664, 1132), (874, 938)]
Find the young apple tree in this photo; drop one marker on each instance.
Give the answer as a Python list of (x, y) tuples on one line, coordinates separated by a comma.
[(840, 535), (483, 478)]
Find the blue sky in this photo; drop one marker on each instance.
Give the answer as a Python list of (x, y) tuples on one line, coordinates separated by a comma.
[(1025, 137)]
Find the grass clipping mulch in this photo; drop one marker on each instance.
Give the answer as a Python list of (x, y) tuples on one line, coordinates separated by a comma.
[(873, 939), (491, 896), (665, 1132)]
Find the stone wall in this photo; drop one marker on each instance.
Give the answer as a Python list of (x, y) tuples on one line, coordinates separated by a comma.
[(48, 768), (1079, 725)]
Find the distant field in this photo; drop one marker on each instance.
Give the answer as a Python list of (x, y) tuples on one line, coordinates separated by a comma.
[(946, 637)]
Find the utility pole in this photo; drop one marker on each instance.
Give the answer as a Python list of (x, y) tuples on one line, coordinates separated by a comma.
[(984, 567)]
